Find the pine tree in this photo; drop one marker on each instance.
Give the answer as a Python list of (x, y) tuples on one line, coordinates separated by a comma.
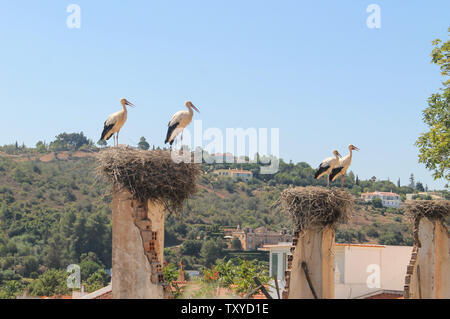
[(412, 183)]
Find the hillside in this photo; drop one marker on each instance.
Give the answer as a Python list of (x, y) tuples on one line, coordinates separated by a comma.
[(54, 211)]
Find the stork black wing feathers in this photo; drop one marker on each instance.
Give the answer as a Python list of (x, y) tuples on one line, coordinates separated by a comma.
[(170, 131), (334, 172), (106, 129), (320, 170)]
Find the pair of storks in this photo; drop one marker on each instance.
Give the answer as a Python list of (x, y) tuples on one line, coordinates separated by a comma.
[(179, 121), (332, 166), (335, 166)]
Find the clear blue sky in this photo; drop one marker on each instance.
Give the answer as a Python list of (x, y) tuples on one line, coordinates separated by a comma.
[(311, 68)]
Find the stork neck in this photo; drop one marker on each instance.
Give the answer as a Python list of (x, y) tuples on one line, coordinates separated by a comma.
[(124, 107)]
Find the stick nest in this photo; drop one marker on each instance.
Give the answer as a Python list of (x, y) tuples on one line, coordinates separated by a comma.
[(432, 209), (149, 175), (316, 206)]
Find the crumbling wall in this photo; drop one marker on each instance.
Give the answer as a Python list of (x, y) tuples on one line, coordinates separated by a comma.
[(315, 212), (428, 273), (310, 273), (145, 185), (138, 244)]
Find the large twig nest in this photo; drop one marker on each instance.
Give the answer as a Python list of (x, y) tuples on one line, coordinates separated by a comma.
[(432, 209), (149, 175), (316, 206)]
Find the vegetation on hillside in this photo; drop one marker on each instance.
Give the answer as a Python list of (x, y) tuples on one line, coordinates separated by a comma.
[(56, 213)]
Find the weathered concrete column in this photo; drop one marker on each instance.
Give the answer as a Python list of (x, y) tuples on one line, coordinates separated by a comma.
[(314, 211), (428, 274), (146, 184), (313, 256), (138, 245)]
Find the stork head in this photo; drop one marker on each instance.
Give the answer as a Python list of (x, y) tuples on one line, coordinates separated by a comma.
[(126, 102), (189, 105), (336, 153), (352, 147)]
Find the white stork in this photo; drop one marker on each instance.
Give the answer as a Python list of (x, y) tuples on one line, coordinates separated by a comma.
[(327, 166), (114, 122), (343, 165), (179, 121)]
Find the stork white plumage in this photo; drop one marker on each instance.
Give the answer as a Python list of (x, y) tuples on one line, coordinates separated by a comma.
[(341, 168), (327, 166), (115, 121), (179, 121)]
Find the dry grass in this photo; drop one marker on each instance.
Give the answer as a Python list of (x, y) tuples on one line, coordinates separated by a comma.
[(149, 175), (316, 206)]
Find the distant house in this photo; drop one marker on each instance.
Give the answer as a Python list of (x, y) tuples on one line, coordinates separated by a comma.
[(235, 173), (252, 239), (388, 199)]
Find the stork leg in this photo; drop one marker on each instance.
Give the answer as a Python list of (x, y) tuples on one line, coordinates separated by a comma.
[(118, 138), (342, 181), (328, 181)]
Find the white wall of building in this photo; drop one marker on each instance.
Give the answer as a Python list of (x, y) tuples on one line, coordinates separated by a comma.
[(383, 266), (367, 269)]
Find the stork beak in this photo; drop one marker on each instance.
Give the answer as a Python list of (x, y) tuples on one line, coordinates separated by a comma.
[(339, 155), (129, 103), (193, 106), (355, 148)]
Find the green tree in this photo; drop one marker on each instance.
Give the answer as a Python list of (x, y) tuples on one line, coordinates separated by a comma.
[(419, 187), (11, 289), (52, 282), (191, 247), (211, 251), (434, 145), (89, 265), (97, 280), (72, 141), (237, 274), (376, 202), (143, 145), (412, 183), (102, 143), (236, 244), (41, 147)]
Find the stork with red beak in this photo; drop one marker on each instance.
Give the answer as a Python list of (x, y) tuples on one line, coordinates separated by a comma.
[(179, 121), (327, 165), (114, 123), (341, 168)]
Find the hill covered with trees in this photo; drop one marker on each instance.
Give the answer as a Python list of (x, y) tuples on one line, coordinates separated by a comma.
[(55, 211)]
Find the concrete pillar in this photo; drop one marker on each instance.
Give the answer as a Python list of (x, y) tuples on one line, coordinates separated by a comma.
[(138, 245), (313, 251), (428, 274)]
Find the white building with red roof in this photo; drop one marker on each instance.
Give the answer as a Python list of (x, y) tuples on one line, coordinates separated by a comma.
[(388, 199)]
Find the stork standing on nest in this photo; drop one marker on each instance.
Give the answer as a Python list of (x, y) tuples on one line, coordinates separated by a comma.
[(115, 121), (179, 121), (341, 168), (327, 166)]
